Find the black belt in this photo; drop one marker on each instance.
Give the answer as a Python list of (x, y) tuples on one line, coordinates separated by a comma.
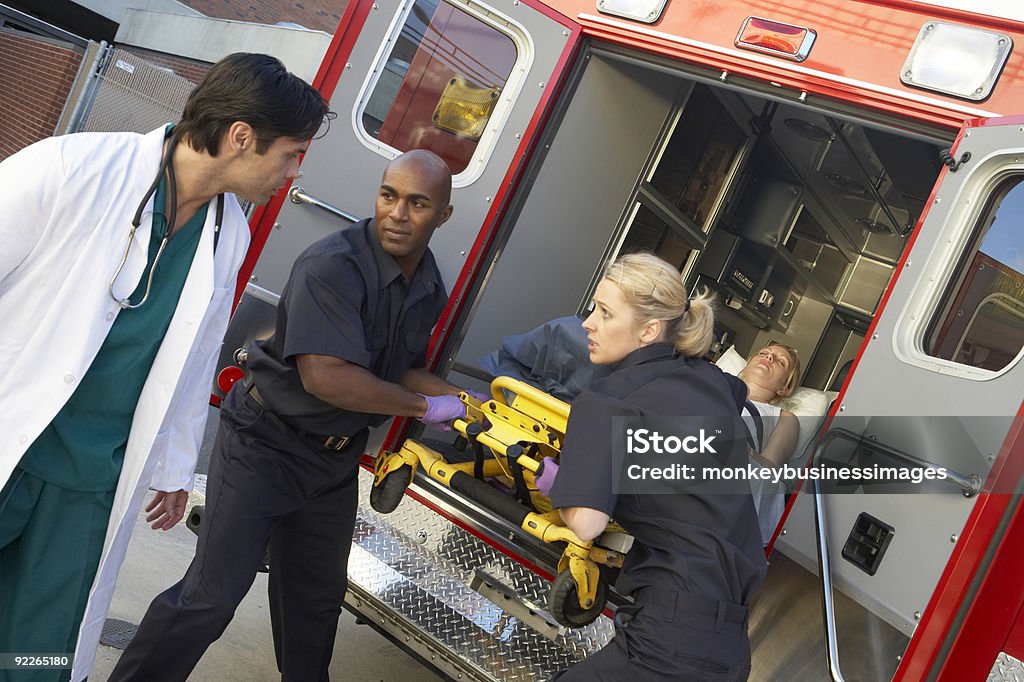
[(672, 602), (335, 443)]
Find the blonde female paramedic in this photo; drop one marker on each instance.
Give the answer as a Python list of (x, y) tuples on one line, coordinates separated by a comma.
[(697, 557)]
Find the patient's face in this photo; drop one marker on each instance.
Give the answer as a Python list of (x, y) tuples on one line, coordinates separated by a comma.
[(612, 329), (771, 367)]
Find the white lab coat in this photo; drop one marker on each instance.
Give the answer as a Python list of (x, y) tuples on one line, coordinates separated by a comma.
[(66, 206)]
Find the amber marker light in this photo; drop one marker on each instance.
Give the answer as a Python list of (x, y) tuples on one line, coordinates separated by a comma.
[(775, 38)]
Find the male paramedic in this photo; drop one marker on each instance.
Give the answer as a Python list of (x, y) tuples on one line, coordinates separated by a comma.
[(117, 271), (348, 351)]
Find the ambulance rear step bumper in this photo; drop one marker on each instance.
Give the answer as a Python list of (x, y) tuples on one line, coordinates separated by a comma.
[(463, 607)]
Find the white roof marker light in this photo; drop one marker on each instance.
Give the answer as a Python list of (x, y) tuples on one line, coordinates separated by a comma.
[(646, 11), (956, 60)]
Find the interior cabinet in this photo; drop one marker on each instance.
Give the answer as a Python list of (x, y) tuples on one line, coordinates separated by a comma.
[(814, 255), (774, 253), (753, 278), (682, 192)]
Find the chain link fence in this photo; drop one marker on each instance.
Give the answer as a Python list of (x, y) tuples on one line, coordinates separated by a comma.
[(130, 94)]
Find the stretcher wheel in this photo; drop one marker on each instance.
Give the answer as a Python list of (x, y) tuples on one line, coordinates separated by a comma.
[(564, 605), (385, 496)]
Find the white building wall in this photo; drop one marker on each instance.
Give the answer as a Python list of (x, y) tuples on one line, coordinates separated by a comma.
[(208, 39), (115, 9)]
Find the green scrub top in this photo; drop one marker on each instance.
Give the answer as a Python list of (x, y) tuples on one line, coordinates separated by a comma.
[(83, 447)]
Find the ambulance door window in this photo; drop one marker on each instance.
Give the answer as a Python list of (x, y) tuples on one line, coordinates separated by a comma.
[(982, 322), (440, 84)]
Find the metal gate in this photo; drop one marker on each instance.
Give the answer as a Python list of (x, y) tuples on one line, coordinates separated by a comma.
[(123, 92)]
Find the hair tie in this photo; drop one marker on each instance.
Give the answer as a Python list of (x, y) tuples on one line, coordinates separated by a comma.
[(686, 308)]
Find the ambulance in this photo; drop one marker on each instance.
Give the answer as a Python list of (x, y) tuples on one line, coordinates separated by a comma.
[(846, 175)]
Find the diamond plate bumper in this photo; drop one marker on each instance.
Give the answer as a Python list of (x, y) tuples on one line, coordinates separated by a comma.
[(411, 574), (1006, 669)]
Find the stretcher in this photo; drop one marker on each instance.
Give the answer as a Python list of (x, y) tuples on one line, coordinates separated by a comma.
[(509, 436)]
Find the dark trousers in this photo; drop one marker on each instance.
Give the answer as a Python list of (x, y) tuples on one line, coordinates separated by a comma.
[(670, 637), (51, 540), (265, 485)]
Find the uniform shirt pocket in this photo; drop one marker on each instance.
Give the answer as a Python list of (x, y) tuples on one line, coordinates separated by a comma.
[(416, 343)]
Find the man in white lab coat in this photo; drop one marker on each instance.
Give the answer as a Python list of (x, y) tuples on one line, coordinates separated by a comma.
[(109, 335)]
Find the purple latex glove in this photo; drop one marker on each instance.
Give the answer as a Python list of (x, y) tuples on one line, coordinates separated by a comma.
[(443, 408), (545, 476)]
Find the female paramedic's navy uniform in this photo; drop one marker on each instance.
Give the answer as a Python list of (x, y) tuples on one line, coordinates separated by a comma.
[(697, 558)]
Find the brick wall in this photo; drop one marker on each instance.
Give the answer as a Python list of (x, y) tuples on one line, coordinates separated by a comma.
[(35, 77), (186, 68)]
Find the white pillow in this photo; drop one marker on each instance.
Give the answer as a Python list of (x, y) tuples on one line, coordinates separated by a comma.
[(731, 362), (807, 402), (803, 402), (810, 407)]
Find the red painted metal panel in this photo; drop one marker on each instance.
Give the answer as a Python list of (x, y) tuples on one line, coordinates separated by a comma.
[(879, 33), (1003, 121), (1014, 645), (1001, 595)]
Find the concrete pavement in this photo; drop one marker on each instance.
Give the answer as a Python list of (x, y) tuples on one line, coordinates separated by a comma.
[(245, 653)]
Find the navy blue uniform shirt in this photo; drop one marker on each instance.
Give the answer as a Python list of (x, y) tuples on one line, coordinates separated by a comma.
[(346, 298), (705, 543)]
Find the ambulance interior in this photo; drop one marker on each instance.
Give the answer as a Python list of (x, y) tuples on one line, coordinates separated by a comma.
[(794, 214)]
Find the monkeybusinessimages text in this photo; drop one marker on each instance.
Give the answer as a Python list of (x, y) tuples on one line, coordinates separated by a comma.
[(642, 441)]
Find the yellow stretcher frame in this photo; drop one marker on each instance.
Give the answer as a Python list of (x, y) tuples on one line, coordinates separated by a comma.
[(509, 431)]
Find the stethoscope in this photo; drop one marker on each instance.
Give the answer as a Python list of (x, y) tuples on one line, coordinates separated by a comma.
[(165, 167)]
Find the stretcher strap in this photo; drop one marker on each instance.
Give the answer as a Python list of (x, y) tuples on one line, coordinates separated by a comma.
[(755, 416), (522, 493), (478, 460)]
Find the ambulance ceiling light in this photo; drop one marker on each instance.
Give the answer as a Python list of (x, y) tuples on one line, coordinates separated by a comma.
[(646, 11), (956, 60), (775, 38), (807, 130), (875, 226), (846, 184)]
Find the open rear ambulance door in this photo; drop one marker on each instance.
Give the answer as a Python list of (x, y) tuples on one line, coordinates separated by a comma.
[(939, 381), (473, 83), (465, 80)]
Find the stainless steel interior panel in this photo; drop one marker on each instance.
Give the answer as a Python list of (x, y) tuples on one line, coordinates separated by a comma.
[(575, 202), (803, 332)]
